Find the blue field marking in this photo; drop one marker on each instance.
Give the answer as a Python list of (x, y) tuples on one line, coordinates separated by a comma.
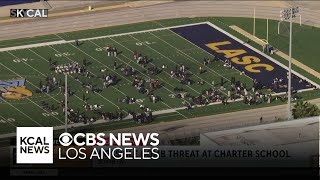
[(12, 83), (252, 63)]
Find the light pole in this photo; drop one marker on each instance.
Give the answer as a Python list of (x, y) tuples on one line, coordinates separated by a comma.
[(288, 14), (254, 22), (267, 29), (66, 102)]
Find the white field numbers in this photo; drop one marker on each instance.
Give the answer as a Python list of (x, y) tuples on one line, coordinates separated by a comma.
[(101, 49), (22, 60), (138, 44), (139, 100), (9, 120), (64, 54), (144, 43), (50, 114)]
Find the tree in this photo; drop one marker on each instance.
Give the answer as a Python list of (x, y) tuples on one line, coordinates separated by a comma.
[(305, 109)]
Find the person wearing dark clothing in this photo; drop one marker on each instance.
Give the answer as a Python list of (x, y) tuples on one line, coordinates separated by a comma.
[(233, 80), (205, 61), (50, 61), (150, 116), (221, 81), (84, 62), (114, 65), (224, 100), (215, 59), (120, 115), (83, 97)]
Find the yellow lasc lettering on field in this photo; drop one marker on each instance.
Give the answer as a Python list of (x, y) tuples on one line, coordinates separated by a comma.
[(232, 53), (16, 93), (214, 46), (245, 60), (252, 67)]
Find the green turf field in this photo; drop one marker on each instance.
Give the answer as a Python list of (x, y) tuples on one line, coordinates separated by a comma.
[(304, 49), (164, 47), (32, 64)]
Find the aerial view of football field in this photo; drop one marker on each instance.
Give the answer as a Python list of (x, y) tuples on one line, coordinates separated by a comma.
[(88, 85), (151, 72), (32, 84)]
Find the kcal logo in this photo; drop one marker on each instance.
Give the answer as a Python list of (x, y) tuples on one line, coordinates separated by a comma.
[(34, 145), (29, 13), (14, 89)]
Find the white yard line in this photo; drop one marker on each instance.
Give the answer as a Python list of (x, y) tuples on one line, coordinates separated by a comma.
[(97, 76), (48, 61), (26, 64), (188, 56), (32, 45), (21, 112), (172, 110), (1, 117), (99, 62), (145, 74), (137, 32), (112, 71), (158, 29), (91, 73), (59, 36), (205, 52), (151, 63), (79, 98), (96, 93), (276, 94), (161, 101), (110, 102), (32, 42), (261, 53), (176, 63), (93, 38), (137, 69), (35, 87), (46, 111)]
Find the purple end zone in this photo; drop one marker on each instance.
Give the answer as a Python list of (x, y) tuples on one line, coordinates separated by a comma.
[(203, 34)]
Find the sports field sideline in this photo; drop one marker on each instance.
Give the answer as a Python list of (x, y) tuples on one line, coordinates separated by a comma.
[(166, 46)]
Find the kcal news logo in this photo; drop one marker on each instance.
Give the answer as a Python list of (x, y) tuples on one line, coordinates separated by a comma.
[(34, 145), (29, 13)]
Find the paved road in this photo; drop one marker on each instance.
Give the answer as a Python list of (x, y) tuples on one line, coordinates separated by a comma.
[(270, 9), (195, 126)]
